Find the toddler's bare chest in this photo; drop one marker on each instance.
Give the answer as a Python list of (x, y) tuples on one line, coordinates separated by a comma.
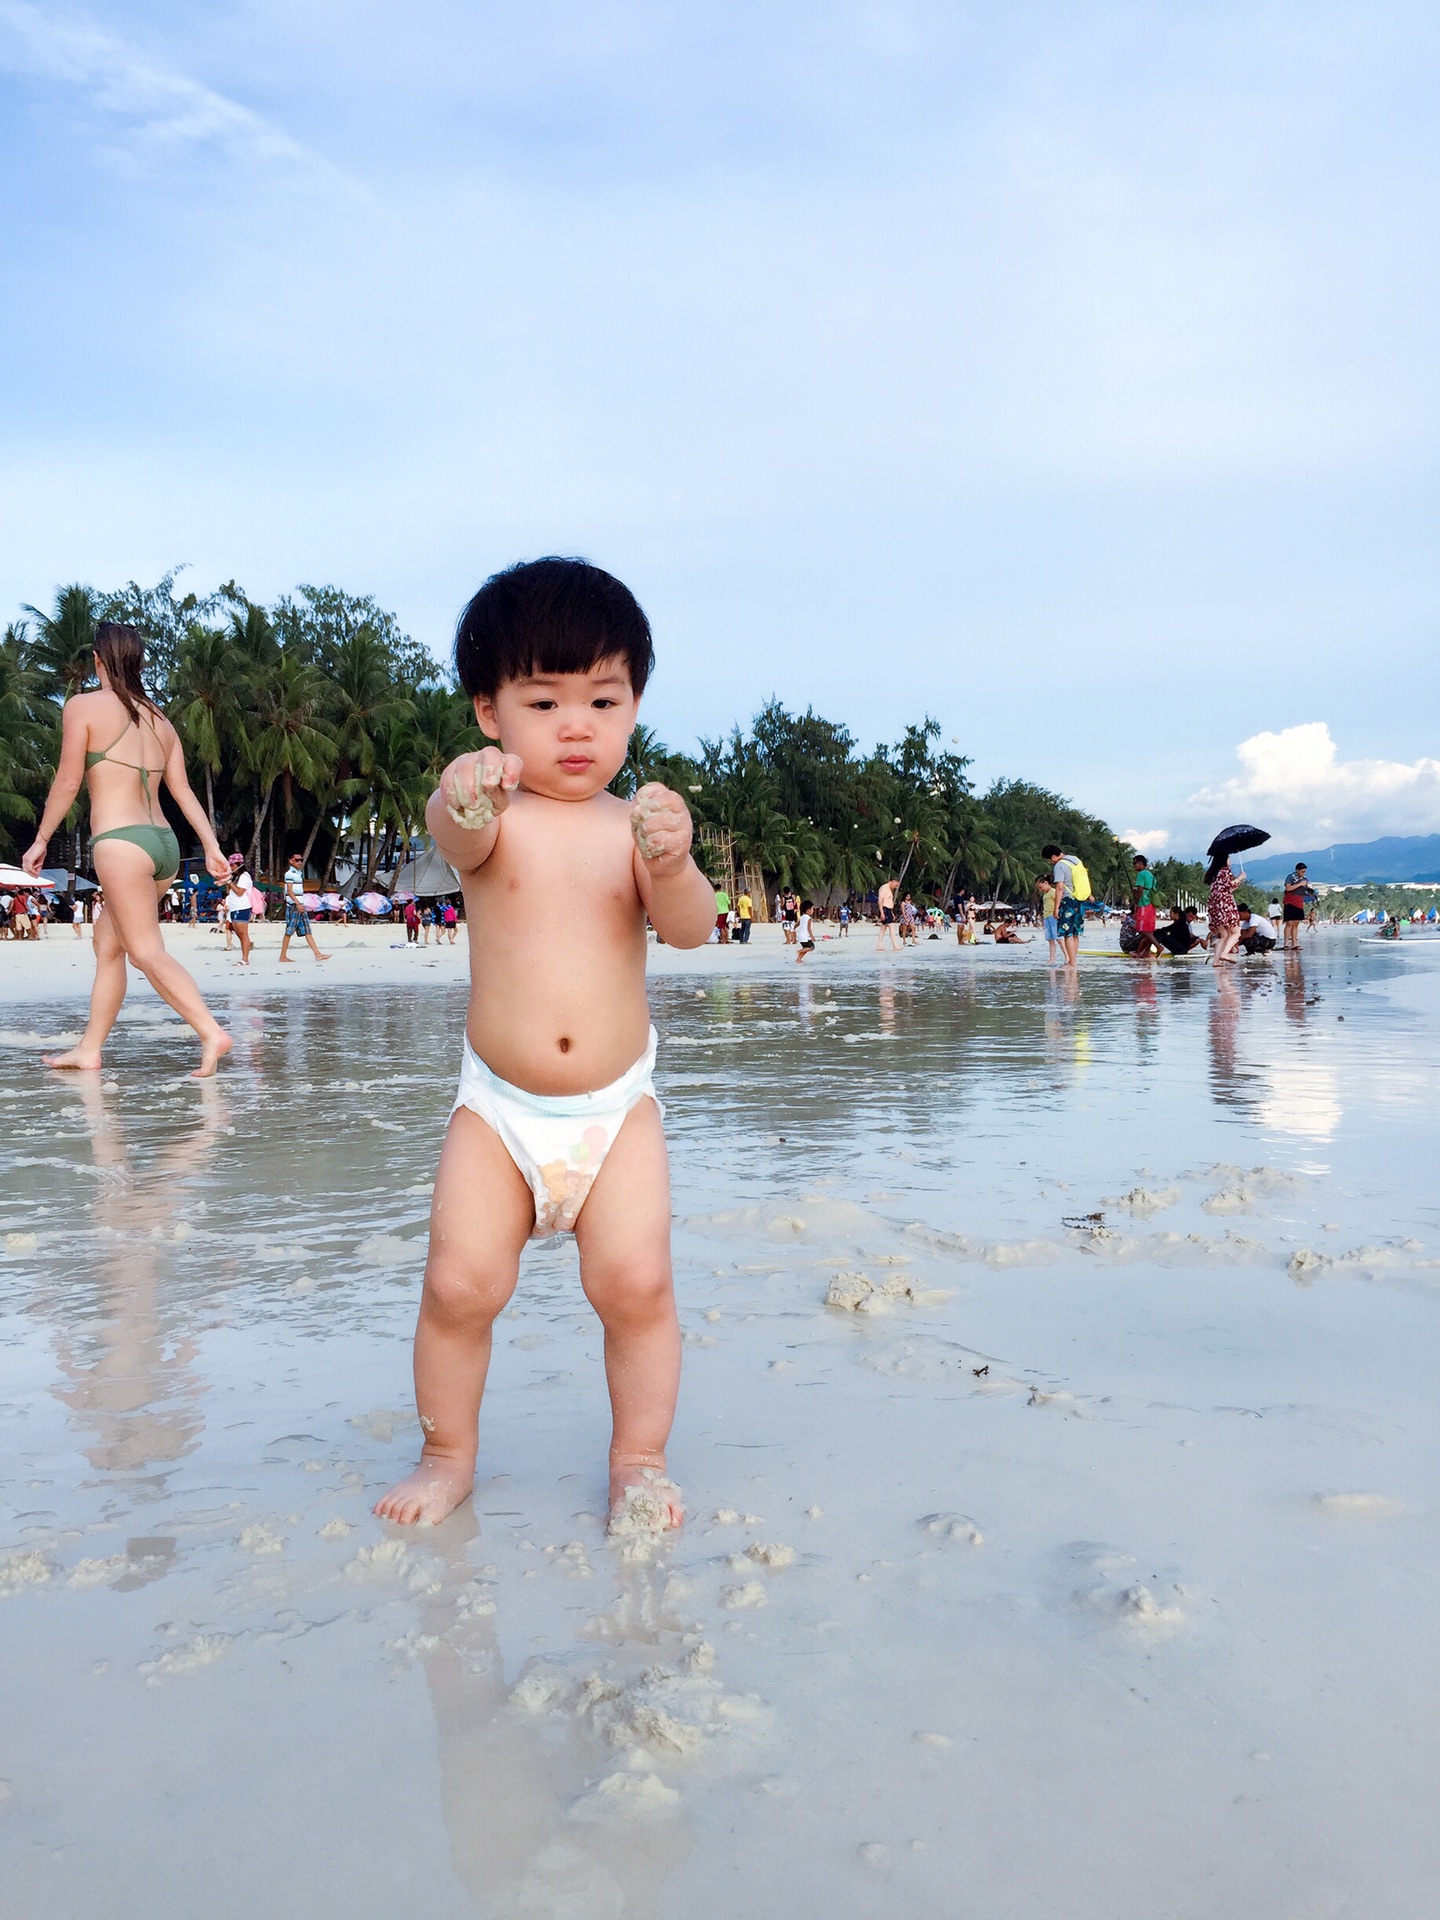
[(581, 875)]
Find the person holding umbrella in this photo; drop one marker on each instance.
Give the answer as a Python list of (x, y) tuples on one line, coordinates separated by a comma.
[(1223, 913)]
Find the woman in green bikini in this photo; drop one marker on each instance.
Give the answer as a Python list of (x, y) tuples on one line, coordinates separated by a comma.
[(118, 741)]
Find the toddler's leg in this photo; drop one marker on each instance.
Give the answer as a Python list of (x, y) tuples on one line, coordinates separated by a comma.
[(480, 1219), (624, 1238)]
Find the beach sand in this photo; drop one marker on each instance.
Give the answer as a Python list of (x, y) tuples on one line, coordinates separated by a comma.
[(1078, 1557)]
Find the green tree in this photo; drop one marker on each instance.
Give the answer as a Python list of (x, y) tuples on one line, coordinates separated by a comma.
[(64, 643), (208, 701)]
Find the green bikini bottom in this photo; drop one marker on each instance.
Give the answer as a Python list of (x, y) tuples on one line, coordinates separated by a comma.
[(159, 842)]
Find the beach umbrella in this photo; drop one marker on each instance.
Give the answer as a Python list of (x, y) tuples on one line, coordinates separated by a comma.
[(311, 902), (374, 903), (1236, 840), (331, 902), (17, 877)]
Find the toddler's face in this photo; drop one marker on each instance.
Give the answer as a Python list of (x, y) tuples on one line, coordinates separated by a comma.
[(570, 730)]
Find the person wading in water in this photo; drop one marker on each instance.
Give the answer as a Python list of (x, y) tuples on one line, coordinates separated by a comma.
[(118, 741)]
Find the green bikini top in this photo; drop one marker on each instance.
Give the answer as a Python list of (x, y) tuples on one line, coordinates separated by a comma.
[(93, 759)]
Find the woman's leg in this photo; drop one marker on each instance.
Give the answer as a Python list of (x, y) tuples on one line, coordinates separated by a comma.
[(132, 899), (107, 996)]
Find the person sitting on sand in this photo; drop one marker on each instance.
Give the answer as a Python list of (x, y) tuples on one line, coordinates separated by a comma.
[(556, 1127), (118, 741), (1180, 935), (1257, 934)]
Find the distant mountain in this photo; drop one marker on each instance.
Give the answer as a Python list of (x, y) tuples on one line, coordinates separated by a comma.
[(1393, 858)]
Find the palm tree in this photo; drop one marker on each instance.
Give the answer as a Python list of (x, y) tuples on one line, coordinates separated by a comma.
[(363, 696), (287, 745), (28, 727), (65, 642), (398, 789), (207, 707)]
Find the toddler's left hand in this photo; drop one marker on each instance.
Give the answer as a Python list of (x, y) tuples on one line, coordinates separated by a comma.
[(660, 822)]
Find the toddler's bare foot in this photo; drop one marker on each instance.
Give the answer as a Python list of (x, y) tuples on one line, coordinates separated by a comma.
[(77, 1058), (212, 1052), (426, 1496), (642, 1500)]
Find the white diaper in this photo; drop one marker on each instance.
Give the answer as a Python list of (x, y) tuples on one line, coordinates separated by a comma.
[(558, 1141)]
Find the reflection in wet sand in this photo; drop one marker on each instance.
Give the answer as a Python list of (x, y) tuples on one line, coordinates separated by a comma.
[(526, 1836), (132, 1387)]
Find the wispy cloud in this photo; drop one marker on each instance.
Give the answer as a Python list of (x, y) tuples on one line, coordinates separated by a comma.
[(164, 108), (1295, 782)]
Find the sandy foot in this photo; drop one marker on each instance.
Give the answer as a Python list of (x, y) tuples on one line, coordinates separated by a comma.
[(212, 1052), (425, 1497), (76, 1059), (642, 1500)]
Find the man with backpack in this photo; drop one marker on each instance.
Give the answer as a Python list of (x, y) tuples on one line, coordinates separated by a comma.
[(1072, 892)]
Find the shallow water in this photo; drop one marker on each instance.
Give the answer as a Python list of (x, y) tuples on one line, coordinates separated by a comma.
[(1120, 1591)]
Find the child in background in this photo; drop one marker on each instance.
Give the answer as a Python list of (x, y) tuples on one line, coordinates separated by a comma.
[(556, 1127), (805, 930)]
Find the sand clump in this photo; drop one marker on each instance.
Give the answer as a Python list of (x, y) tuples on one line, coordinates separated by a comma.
[(744, 1595), (203, 1651), (957, 1528), (774, 1558), (261, 1540), (660, 1717), (1244, 1189), (23, 1567), (853, 1292), (1145, 1199)]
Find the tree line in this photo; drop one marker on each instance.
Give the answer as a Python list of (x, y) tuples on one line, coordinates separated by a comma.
[(317, 722)]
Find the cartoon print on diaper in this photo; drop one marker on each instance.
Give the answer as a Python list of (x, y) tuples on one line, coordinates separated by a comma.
[(567, 1182)]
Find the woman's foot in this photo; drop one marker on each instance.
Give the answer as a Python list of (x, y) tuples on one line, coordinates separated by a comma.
[(212, 1052), (426, 1496), (78, 1059)]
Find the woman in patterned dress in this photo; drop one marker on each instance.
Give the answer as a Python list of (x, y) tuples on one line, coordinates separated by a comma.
[(1224, 916)]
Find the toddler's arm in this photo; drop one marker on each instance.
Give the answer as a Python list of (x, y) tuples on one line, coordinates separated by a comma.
[(463, 814), (678, 898)]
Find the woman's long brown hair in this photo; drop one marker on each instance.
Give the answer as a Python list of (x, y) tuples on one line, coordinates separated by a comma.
[(121, 652)]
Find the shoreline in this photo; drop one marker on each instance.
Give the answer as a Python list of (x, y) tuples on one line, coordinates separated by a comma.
[(59, 968)]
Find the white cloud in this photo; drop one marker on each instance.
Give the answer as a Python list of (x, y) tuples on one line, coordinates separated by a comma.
[(1146, 840), (1294, 782), (166, 108)]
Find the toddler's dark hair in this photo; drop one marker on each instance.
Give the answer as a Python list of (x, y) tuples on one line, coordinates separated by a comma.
[(550, 616)]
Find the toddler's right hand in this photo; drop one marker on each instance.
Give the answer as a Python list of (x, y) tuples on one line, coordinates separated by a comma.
[(477, 787)]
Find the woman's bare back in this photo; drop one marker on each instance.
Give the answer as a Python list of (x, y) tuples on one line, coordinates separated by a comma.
[(125, 761)]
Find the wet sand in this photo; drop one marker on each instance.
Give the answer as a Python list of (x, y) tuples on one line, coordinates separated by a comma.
[(1079, 1557)]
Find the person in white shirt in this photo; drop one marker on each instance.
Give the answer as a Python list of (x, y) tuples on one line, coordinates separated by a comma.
[(1257, 934), (297, 920), (804, 931), (237, 907)]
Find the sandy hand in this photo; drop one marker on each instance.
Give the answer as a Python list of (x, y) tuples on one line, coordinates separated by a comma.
[(660, 821), (478, 786)]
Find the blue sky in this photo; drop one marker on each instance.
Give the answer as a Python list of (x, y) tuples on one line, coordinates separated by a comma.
[(1068, 370)]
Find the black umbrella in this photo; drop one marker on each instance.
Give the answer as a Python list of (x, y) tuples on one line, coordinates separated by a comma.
[(1236, 840)]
